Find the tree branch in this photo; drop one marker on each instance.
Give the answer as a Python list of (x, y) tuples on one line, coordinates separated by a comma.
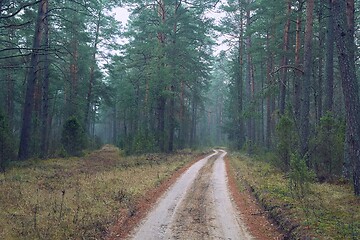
[(15, 25), (21, 8), (286, 66)]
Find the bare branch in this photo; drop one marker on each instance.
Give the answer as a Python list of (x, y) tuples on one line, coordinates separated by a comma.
[(15, 56), (15, 25), (21, 8), (287, 66)]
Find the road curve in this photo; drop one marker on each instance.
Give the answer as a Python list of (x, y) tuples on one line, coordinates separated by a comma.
[(197, 206)]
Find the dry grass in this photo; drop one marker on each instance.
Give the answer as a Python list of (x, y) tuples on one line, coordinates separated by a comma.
[(78, 198), (328, 211)]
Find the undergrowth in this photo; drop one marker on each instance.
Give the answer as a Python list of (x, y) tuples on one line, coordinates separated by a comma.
[(321, 211), (78, 198)]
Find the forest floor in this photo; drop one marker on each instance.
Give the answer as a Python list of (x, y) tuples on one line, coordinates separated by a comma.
[(322, 211), (81, 198)]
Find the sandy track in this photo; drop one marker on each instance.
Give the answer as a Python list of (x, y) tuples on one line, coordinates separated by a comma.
[(197, 206)]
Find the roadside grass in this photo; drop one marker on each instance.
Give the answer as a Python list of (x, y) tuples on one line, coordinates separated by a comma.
[(78, 198), (327, 211)]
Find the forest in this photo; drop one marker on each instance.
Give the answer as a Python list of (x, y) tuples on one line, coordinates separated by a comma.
[(285, 80)]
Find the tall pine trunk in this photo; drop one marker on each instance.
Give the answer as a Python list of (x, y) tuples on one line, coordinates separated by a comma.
[(329, 62), (239, 85), (92, 74), (31, 82), (10, 94), (344, 40), (350, 8), (284, 59), (172, 119), (193, 142), (45, 90), (270, 100), (250, 85), (306, 84), (161, 101), (318, 91), (297, 80), (74, 78)]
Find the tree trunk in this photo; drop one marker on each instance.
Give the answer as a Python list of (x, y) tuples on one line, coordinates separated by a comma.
[(171, 120), (284, 59), (350, 8), (74, 70), (319, 86), (31, 82), (92, 74), (250, 86), (329, 64), (161, 101), (262, 74), (345, 46), (306, 84), (193, 123), (297, 85), (10, 94), (172, 87), (239, 118), (182, 132), (161, 123), (270, 100), (45, 90), (115, 126)]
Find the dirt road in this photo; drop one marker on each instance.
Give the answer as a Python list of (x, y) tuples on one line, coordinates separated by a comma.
[(197, 206)]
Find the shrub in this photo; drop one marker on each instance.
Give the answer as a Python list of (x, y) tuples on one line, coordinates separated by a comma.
[(328, 145), (143, 143), (286, 141), (300, 177), (73, 137), (252, 148)]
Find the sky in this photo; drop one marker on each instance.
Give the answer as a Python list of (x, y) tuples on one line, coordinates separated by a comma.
[(122, 15)]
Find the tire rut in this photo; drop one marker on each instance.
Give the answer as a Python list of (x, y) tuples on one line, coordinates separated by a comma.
[(193, 218)]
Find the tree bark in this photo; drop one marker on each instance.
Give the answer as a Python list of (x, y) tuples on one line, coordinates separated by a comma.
[(239, 85), (193, 122), (161, 101), (318, 90), (297, 85), (171, 120), (284, 59), (31, 82), (92, 74), (344, 43), (250, 84), (329, 64), (182, 132), (10, 94), (306, 84), (350, 13), (173, 88), (270, 100), (74, 71), (45, 89)]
